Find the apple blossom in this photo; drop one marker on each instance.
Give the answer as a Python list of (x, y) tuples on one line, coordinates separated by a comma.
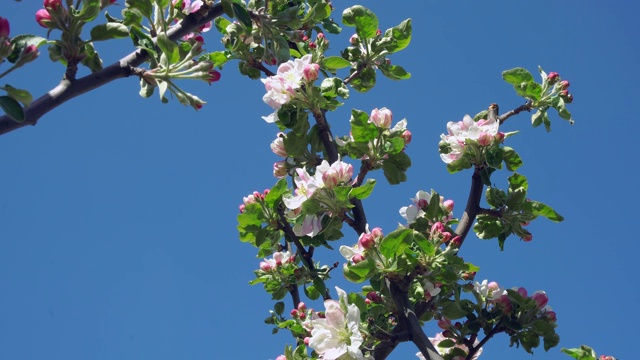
[(306, 185), (483, 131), (337, 336), (277, 145), (412, 212), (490, 291), (279, 258), (310, 226), (381, 118), (355, 253), (43, 18), (337, 173), (366, 241), (280, 169)]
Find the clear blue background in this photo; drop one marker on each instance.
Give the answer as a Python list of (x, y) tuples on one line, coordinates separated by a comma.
[(117, 230)]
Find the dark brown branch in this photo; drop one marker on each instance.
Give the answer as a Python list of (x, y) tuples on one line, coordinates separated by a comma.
[(474, 349), (516, 111), (492, 212), (69, 89), (409, 319)]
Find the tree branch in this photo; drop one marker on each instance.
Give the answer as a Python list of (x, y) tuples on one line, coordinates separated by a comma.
[(68, 89), (516, 111), (409, 320)]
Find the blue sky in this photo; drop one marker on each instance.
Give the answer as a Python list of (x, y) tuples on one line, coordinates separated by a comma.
[(118, 238)]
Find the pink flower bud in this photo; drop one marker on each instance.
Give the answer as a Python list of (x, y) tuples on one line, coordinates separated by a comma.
[(499, 137), (552, 77), (5, 29), (312, 45), (366, 241), (551, 316), (241, 207), (214, 76), (43, 18), (310, 72), (374, 296), (568, 98), (280, 169), (378, 32), (302, 307), (264, 266), (376, 233), (27, 55), (540, 298), (302, 316), (485, 139), (281, 357), (381, 118), (522, 291), (357, 258), (504, 302), (305, 38), (52, 5), (277, 145), (446, 236), (406, 136), (437, 227), (367, 301), (320, 36), (456, 241), (448, 205), (564, 84), (469, 276), (527, 237), (354, 39), (294, 313), (444, 324), (448, 334)]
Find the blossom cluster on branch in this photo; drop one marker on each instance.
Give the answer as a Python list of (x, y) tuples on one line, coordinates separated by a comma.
[(410, 275)]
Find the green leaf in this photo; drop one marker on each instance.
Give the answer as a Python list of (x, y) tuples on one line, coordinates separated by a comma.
[(364, 20), (279, 307), (19, 42), (23, 96), (169, 48), (12, 108), (401, 33), (89, 11), (394, 72), (582, 353), (396, 242), (494, 156), (218, 58), (240, 13), (330, 26), (361, 129), (334, 63), (423, 243), (144, 7), (530, 90), (109, 31), (363, 191), (132, 17), (517, 76), (541, 209), (518, 181), (281, 49), (495, 197), (276, 192), (488, 227), (395, 167), (91, 58), (359, 272), (481, 115), (511, 158)]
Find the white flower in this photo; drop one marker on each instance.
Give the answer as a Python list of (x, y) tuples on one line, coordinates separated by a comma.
[(412, 212), (488, 290), (483, 131), (306, 186), (337, 335), (310, 226)]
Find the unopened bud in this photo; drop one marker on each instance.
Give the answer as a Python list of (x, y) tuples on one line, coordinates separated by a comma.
[(540, 298), (522, 291), (357, 258), (552, 77), (382, 118), (294, 313), (527, 237), (27, 55), (43, 18), (5, 29), (564, 84), (437, 227), (310, 72), (406, 136), (374, 296), (377, 233), (366, 241), (280, 169), (302, 307)]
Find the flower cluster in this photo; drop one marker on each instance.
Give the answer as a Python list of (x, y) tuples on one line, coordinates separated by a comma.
[(484, 132), (557, 86), (27, 53), (417, 210), (367, 241), (337, 335), (282, 86), (278, 259)]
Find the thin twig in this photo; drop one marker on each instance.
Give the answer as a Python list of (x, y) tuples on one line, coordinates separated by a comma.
[(516, 111)]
